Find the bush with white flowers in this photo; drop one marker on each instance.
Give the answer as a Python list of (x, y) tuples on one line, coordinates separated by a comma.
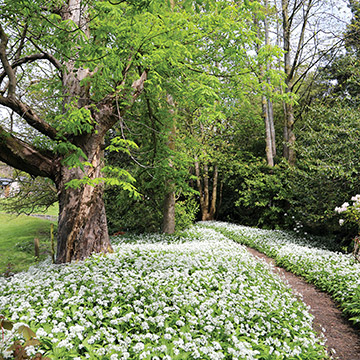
[(351, 211), (200, 296)]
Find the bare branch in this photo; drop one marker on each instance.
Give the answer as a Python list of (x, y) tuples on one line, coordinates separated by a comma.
[(300, 42)]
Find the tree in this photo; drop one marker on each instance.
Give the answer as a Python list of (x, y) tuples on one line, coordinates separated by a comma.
[(306, 25), (71, 70)]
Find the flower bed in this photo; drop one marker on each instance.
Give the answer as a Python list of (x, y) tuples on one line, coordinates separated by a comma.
[(331, 271), (194, 297)]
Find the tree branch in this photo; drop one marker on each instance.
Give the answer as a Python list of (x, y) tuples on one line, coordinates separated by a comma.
[(300, 42), (7, 67), (32, 58), (29, 116), (24, 157)]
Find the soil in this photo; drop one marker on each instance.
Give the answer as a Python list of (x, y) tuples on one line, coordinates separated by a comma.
[(343, 340)]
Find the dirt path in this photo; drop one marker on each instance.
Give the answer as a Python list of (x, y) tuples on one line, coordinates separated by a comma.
[(343, 341)]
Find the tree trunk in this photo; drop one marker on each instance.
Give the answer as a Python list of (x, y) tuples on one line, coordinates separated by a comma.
[(214, 194), (168, 226), (272, 127), (290, 67), (289, 135), (269, 145), (264, 98), (207, 207), (82, 223)]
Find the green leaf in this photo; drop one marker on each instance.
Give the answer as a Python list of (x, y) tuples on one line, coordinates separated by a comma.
[(26, 332)]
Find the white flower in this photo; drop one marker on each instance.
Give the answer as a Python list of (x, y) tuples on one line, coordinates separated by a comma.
[(341, 222), (356, 199), (139, 347), (41, 332)]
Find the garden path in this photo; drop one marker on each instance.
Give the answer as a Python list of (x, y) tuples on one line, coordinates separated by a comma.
[(343, 340)]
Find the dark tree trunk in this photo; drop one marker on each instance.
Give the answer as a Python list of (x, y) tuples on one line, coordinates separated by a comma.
[(168, 226), (207, 201)]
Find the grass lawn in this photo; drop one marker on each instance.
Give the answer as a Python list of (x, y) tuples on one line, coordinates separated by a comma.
[(52, 210), (17, 235)]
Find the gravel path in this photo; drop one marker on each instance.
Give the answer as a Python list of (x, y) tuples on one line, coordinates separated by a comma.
[(343, 340)]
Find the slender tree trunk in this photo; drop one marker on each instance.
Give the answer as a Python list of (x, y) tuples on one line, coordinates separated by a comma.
[(168, 225), (206, 193), (290, 68), (199, 183), (264, 98), (214, 194), (272, 127), (269, 145), (220, 196), (289, 136), (207, 206)]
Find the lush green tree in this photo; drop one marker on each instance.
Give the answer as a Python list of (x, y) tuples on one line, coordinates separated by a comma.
[(328, 167), (71, 70), (202, 102)]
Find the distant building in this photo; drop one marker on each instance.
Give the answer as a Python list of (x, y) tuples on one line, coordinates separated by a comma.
[(7, 187)]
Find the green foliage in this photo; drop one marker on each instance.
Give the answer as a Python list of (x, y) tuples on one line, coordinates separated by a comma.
[(18, 348), (128, 214), (350, 212), (32, 196), (259, 194), (74, 121), (185, 212), (118, 144), (327, 166)]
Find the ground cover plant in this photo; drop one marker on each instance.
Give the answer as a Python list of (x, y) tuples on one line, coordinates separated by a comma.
[(195, 296), (331, 271), (17, 235)]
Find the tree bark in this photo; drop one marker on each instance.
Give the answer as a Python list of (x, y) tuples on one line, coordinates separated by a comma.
[(289, 136), (168, 226), (214, 194), (290, 68), (272, 127), (264, 98), (207, 207), (82, 228)]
